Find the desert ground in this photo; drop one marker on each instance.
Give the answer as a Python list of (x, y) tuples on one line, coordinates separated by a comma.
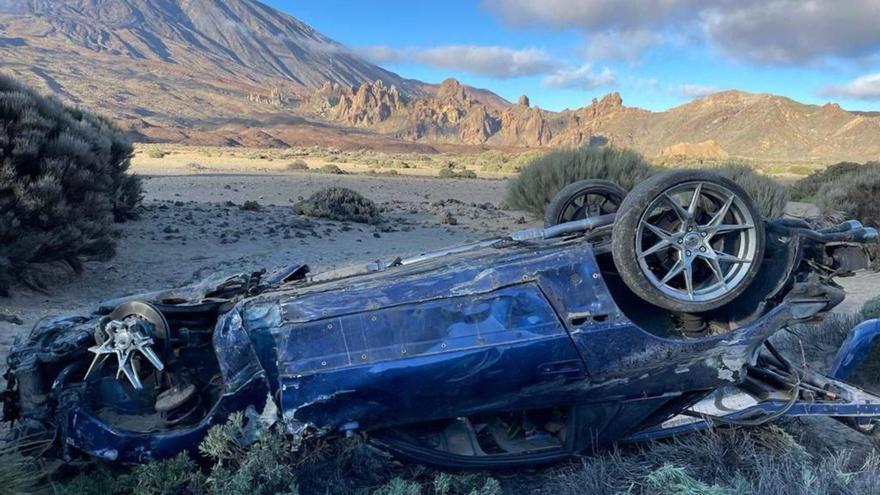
[(192, 226)]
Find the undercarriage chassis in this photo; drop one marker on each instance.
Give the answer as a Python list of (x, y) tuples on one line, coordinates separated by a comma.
[(510, 351)]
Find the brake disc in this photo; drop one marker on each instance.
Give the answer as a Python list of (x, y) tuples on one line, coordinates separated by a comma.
[(133, 329)]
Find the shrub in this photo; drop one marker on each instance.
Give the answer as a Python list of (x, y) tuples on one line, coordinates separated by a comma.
[(339, 203), (731, 461), (155, 153), (802, 170), (267, 467), (331, 168), (871, 309), (399, 486), (770, 196), (672, 480), (854, 195), (20, 473), (470, 484), (807, 188), (176, 476), (448, 173), (766, 460), (545, 175), (251, 206), (297, 165), (63, 182)]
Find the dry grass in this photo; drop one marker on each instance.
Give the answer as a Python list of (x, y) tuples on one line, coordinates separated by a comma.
[(19, 473)]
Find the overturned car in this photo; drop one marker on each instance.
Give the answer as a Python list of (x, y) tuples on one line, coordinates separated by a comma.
[(628, 317)]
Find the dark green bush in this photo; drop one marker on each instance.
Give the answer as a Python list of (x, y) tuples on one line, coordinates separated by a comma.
[(807, 189), (63, 182), (546, 174), (770, 196), (297, 165), (339, 203), (251, 206), (871, 309), (855, 195)]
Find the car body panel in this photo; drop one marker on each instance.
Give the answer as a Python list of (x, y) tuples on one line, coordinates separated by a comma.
[(539, 327)]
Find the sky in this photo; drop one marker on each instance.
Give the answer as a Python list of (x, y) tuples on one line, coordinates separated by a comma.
[(656, 53)]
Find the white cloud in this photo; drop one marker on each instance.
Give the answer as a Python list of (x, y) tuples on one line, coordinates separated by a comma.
[(590, 14), (620, 45), (582, 77), (862, 88), (491, 61), (794, 32), (785, 32), (695, 91)]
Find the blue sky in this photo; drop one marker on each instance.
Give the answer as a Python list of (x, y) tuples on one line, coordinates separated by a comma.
[(656, 53)]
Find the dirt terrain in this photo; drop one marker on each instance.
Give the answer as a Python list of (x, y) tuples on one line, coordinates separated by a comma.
[(193, 226)]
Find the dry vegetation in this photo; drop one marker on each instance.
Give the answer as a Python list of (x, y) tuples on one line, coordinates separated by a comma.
[(63, 182), (339, 203), (491, 164), (544, 176)]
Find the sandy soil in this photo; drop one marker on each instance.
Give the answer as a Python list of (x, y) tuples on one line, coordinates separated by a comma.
[(190, 160), (192, 226)]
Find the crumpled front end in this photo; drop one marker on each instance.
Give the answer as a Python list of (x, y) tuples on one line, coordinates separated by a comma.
[(138, 382)]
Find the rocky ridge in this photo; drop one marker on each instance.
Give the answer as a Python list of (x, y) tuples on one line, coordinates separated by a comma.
[(240, 73)]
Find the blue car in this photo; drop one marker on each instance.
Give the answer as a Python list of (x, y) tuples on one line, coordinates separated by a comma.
[(630, 316)]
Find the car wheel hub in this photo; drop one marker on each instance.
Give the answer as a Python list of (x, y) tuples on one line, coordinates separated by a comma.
[(696, 241)]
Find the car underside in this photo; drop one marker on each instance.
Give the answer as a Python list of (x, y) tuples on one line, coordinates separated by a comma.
[(630, 316)]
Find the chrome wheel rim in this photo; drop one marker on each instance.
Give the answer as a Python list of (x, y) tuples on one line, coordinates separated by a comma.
[(696, 241)]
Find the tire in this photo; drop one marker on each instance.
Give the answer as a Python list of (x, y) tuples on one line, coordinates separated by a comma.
[(652, 240), (562, 201)]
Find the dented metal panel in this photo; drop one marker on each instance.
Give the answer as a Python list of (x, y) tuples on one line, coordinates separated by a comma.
[(351, 367)]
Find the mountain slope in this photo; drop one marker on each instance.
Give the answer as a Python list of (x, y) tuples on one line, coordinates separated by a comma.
[(238, 72), (239, 39)]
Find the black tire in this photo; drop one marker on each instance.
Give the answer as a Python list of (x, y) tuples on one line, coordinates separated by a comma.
[(562, 201), (633, 261)]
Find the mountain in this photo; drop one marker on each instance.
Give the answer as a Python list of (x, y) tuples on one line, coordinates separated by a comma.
[(726, 124), (238, 72), (242, 39)]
